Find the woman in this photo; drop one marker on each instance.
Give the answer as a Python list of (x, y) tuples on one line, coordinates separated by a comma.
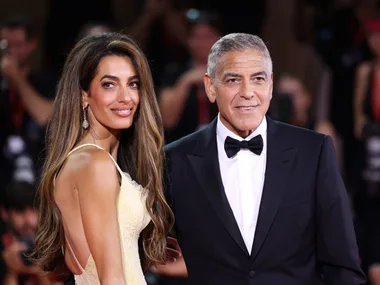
[(102, 179), (367, 131), (295, 106), (366, 97)]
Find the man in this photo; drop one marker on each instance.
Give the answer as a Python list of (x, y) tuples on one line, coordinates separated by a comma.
[(257, 201), (182, 98), (26, 95), (21, 220)]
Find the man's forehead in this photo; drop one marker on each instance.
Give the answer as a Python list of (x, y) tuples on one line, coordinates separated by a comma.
[(23, 210), (249, 61), (18, 32), (250, 52)]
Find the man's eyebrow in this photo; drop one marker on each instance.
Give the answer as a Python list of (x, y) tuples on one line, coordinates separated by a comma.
[(262, 73), (230, 74)]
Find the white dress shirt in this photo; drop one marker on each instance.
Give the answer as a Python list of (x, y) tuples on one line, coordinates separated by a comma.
[(243, 179)]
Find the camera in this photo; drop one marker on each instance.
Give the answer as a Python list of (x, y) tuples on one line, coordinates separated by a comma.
[(282, 108), (24, 255), (3, 50), (3, 46)]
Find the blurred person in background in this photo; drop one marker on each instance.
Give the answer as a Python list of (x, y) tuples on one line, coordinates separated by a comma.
[(21, 168), (25, 93), (161, 31), (342, 40), (367, 130), (92, 28), (367, 90), (294, 106), (182, 97), (19, 212)]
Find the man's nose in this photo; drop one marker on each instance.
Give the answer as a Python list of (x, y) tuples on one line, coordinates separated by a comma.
[(30, 216), (247, 90)]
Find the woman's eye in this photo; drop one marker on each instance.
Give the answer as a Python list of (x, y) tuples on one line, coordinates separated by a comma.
[(107, 84), (135, 84)]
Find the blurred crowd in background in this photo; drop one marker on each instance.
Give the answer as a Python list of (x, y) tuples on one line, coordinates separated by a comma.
[(326, 57)]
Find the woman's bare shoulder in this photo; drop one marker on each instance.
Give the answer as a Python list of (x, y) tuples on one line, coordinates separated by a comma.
[(90, 166)]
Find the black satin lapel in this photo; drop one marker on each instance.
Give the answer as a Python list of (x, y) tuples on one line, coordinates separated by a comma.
[(207, 171), (279, 164)]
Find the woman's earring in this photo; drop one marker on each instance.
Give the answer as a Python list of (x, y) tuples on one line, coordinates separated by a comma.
[(85, 123)]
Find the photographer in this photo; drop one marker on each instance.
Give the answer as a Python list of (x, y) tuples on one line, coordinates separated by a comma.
[(26, 94), (20, 217), (295, 106)]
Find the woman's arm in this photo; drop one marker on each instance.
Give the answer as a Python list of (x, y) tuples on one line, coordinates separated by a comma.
[(360, 88), (173, 269), (98, 188)]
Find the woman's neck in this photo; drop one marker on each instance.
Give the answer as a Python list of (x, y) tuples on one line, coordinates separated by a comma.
[(109, 142)]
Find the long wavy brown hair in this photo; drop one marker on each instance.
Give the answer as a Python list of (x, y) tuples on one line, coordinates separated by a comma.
[(140, 152)]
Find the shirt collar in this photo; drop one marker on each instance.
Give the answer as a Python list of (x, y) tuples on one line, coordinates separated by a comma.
[(222, 132)]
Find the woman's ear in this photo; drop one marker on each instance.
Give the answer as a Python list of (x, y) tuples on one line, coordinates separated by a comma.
[(84, 96)]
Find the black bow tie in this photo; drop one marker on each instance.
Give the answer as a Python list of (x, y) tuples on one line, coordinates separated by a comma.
[(233, 146)]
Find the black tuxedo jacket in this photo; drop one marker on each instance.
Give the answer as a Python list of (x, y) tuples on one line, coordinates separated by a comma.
[(304, 233)]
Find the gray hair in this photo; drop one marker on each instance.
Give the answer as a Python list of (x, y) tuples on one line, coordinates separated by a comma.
[(234, 42)]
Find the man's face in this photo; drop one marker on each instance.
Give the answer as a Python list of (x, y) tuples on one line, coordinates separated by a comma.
[(19, 47), (23, 223), (242, 90), (201, 39)]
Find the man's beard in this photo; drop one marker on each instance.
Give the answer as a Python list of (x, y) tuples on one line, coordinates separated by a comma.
[(25, 231)]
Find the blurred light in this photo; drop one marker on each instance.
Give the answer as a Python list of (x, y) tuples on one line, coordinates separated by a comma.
[(16, 145), (192, 14), (24, 175), (24, 169)]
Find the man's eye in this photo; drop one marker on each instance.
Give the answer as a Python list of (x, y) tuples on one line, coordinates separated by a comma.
[(232, 80)]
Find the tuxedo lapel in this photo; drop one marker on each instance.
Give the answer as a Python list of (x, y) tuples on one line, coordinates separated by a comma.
[(205, 163), (280, 157)]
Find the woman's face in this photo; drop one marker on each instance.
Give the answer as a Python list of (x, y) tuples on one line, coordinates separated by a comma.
[(300, 97), (374, 43), (113, 95)]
